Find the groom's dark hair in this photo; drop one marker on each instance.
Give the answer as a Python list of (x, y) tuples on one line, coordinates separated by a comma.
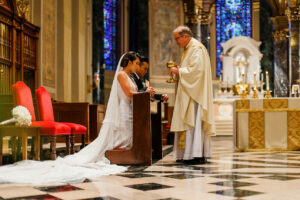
[(129, 56), (144, 59)]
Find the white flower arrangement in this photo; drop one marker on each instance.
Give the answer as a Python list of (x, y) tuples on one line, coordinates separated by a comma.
[(21, 116)]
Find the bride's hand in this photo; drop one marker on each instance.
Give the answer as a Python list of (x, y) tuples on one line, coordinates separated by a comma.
[(151, 91)]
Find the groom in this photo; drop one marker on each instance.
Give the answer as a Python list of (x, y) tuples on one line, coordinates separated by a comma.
[(143, 84)]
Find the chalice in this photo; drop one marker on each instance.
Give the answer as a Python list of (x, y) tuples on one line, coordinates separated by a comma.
[(171, 64)]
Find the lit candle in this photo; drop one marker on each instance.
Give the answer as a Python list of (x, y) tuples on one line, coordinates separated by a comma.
[(262, 76), (255, 80), (267, 80)]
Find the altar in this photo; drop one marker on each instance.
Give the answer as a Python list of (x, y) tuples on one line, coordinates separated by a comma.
[(267, 124)]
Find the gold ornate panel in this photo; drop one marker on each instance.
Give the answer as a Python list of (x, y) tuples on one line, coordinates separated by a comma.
[(256, 130), (243, 104), (275, 103), (293, 130)]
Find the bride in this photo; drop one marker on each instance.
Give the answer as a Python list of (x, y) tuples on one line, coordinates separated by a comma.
[(90, 162)]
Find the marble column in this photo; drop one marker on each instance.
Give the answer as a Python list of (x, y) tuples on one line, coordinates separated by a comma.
[(200, 28), (98, 49), (293, 15), (281, 70)]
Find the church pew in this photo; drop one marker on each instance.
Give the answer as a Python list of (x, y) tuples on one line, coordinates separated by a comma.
[(140, 153), (97, 113), (75, 113)]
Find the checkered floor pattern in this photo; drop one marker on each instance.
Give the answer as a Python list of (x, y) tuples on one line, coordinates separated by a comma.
[(227, 175)]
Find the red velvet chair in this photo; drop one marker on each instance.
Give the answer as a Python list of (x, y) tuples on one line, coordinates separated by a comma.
[(22, 96), (45, 112)]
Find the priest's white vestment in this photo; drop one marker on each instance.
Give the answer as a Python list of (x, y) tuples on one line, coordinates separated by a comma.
[(193, 109)]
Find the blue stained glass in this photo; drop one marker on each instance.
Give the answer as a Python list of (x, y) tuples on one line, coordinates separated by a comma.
[(110, 27), (233, 18)]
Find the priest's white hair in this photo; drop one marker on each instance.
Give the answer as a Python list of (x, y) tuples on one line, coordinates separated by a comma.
[(181, 30)]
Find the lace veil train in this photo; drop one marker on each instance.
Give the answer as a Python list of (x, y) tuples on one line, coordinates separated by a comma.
[(88, 163)]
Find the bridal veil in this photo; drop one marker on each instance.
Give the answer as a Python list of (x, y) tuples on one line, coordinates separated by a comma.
[(88, 163)]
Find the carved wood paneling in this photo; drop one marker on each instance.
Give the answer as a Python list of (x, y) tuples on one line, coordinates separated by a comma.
[(18, 48)]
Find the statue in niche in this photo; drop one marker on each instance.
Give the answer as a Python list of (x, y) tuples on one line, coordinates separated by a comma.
[(240, 64)]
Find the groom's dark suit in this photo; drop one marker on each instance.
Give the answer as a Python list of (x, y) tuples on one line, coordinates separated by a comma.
[(140, 82)]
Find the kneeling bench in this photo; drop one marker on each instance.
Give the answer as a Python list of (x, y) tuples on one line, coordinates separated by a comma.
[(140, 153)]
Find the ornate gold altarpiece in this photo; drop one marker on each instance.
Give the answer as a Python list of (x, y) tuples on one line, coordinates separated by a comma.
[(18, 48), (267, 124)]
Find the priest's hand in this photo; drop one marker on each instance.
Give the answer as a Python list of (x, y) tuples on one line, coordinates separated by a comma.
[(164, 97), (173, 70)]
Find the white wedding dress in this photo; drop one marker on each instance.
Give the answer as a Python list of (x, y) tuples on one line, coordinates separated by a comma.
[(90, 162)]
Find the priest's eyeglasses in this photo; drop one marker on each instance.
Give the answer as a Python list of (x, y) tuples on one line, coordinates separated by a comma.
[(177, 38)]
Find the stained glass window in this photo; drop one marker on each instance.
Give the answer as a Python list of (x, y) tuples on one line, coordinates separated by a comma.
[(233, 18), (110, 34)]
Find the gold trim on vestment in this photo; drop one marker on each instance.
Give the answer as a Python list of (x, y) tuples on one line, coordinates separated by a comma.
[(181, 140), (243, 104), (275, 103), (256, 130), (293, 124), (184, 54)]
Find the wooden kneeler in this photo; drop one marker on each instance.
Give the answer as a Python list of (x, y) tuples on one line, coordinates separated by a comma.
[(140, 153)]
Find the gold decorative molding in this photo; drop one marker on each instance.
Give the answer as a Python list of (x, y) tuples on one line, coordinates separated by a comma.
[(293, 138), (197, 14), (257, 130), (24, 7), (263, 149), (268, 110), (256, 5), (293, 14), (255, 20), (201, 18), (279, 35), (275, 103), (242, 104)]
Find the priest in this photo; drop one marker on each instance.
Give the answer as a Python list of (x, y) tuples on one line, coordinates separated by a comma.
[(192, 120)]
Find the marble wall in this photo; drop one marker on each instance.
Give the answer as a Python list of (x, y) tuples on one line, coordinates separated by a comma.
[(295, 49), (164, 18), (201, 33), (63, 47), (48, 48), (98, 50), (139, 27), (266, 47), (281, 80)]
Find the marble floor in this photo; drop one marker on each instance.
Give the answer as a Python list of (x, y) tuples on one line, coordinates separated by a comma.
[(228, 175)]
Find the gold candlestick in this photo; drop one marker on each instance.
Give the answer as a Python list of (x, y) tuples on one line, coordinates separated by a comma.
[(268, 93), (220, 87), (244, 94), (226, 86), (255, 95), (243, 85)]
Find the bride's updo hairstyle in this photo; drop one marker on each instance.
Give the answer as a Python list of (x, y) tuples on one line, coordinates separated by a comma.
[(129, 56)]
